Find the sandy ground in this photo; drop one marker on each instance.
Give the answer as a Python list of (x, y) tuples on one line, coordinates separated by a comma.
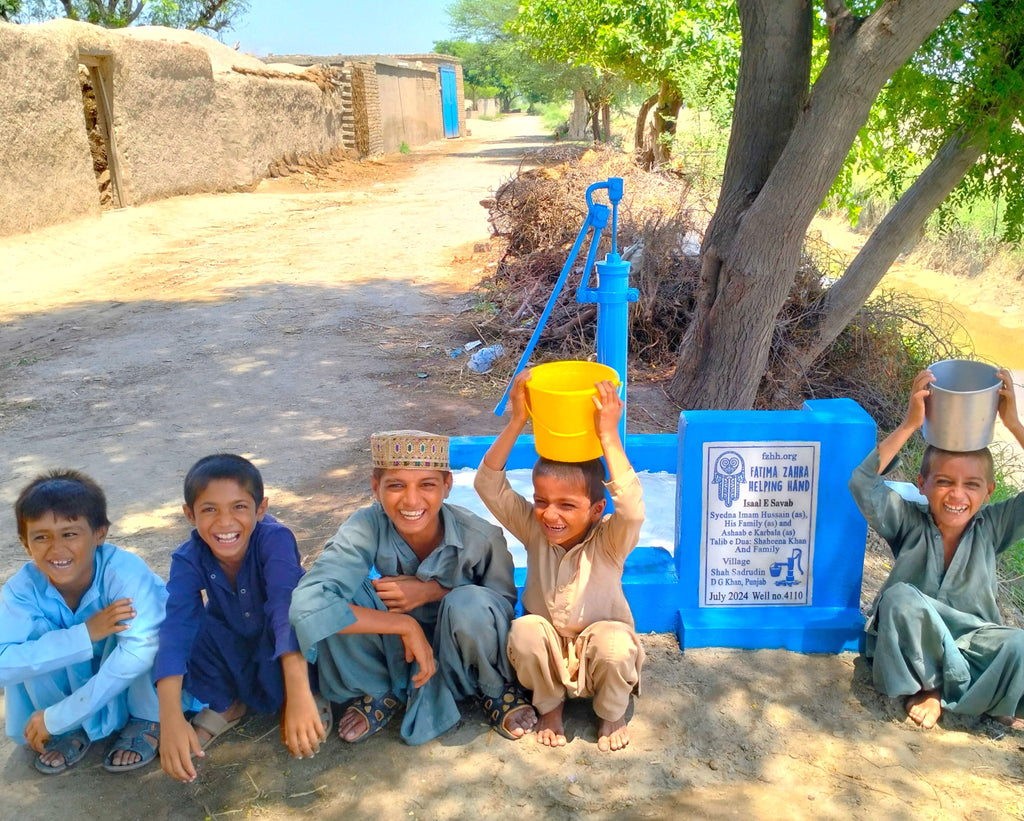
[(289, 323)]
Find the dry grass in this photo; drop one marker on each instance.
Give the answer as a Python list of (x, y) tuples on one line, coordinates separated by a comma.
[(538, 214)]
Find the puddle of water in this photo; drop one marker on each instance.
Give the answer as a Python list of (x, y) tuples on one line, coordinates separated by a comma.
[(992, 340)]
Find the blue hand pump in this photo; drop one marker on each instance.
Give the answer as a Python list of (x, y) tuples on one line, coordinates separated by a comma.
[(612, 293)]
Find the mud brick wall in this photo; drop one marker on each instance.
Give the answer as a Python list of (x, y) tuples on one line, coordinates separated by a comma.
[(190, 114), (410, 104), (369, 138), (395, 98), (435, 61)]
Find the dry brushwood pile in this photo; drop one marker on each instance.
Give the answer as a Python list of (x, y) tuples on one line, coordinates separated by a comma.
[(538, 214)]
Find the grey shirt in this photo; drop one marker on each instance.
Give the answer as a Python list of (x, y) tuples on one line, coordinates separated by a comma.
[(969, 584)]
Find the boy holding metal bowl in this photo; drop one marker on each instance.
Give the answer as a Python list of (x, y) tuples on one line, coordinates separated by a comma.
[(934, 633)]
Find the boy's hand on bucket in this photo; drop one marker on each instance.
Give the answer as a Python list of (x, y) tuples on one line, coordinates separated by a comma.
[(1007, 400), (517, 396), (918, 391), (609, 408)]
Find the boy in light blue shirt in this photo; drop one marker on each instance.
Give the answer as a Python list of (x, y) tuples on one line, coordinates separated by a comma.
[(78, 632)]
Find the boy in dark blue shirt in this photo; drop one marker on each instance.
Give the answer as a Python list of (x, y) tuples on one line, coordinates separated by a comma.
[(238, 650)]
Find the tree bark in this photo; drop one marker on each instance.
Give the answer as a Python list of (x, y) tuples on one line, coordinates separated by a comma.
[(579, 117), (606, 122), (664, 122), (778, 172), (642, 149), (776, 44), (905, 220), (595, 114)]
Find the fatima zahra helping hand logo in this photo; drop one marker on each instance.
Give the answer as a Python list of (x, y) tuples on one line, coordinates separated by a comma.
[(730, 473)]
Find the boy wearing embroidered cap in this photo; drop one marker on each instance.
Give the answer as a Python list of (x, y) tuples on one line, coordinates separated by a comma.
[(431, 630)]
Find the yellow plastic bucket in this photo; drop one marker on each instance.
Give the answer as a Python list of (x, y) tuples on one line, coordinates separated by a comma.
[(559, 396)]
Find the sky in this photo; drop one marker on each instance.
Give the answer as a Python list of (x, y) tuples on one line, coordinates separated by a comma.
[(323, 27)]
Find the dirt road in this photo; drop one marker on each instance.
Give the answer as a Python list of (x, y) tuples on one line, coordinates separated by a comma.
[(288, 324)]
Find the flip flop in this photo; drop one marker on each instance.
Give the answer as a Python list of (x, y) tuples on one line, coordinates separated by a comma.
[(323, 706), (377, 712), (73, 746), (214, 723), (137, 736), (497, 710)]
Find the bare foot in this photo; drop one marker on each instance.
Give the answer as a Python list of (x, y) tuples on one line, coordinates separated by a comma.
[(353, 725), (232, 713), (612, 735), (924, 708), (1012, 722), (549, 728), (520, 721)]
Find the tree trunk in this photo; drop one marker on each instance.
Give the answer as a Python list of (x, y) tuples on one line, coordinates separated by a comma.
[(594, 106), (664, 121), (776, 177), (777, 46), (606, 122), (643, 151), (905, 220), (578, 118)]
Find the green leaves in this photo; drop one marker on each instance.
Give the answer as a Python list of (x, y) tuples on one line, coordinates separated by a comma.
[(968, 73), (211, 15)]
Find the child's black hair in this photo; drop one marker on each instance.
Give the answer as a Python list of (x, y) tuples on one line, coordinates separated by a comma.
[(931, 453), (590, 474), (66, 493), (223, 466)]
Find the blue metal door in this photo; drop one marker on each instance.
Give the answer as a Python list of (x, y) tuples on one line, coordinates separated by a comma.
[(449, 101)]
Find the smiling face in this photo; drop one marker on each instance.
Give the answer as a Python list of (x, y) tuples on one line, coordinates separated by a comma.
[(224, 515), (412, 500), (564, 509), (957, 485), (64, 549)]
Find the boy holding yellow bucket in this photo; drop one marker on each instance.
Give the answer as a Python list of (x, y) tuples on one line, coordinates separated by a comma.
[(576, 637)]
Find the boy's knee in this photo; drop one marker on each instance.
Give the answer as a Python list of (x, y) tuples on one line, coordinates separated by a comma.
[(1014, 646), (612, 644), (471, 608), (528, 635), (900, 598), (466, 598)]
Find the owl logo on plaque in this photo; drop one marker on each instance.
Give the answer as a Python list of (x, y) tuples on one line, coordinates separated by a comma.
[(729, 474)]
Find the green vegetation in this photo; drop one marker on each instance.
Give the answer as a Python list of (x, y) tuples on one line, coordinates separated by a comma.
[(208, 15), (404, 148), (663, 44), (555, 117)]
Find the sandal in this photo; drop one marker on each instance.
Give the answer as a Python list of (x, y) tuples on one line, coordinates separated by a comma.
[(137, 736), (377, 712), (214, 723), (498, 710), (323, 706), (73, 746)]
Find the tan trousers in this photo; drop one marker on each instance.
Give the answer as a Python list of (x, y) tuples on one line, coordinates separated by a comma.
[(603, 662)]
